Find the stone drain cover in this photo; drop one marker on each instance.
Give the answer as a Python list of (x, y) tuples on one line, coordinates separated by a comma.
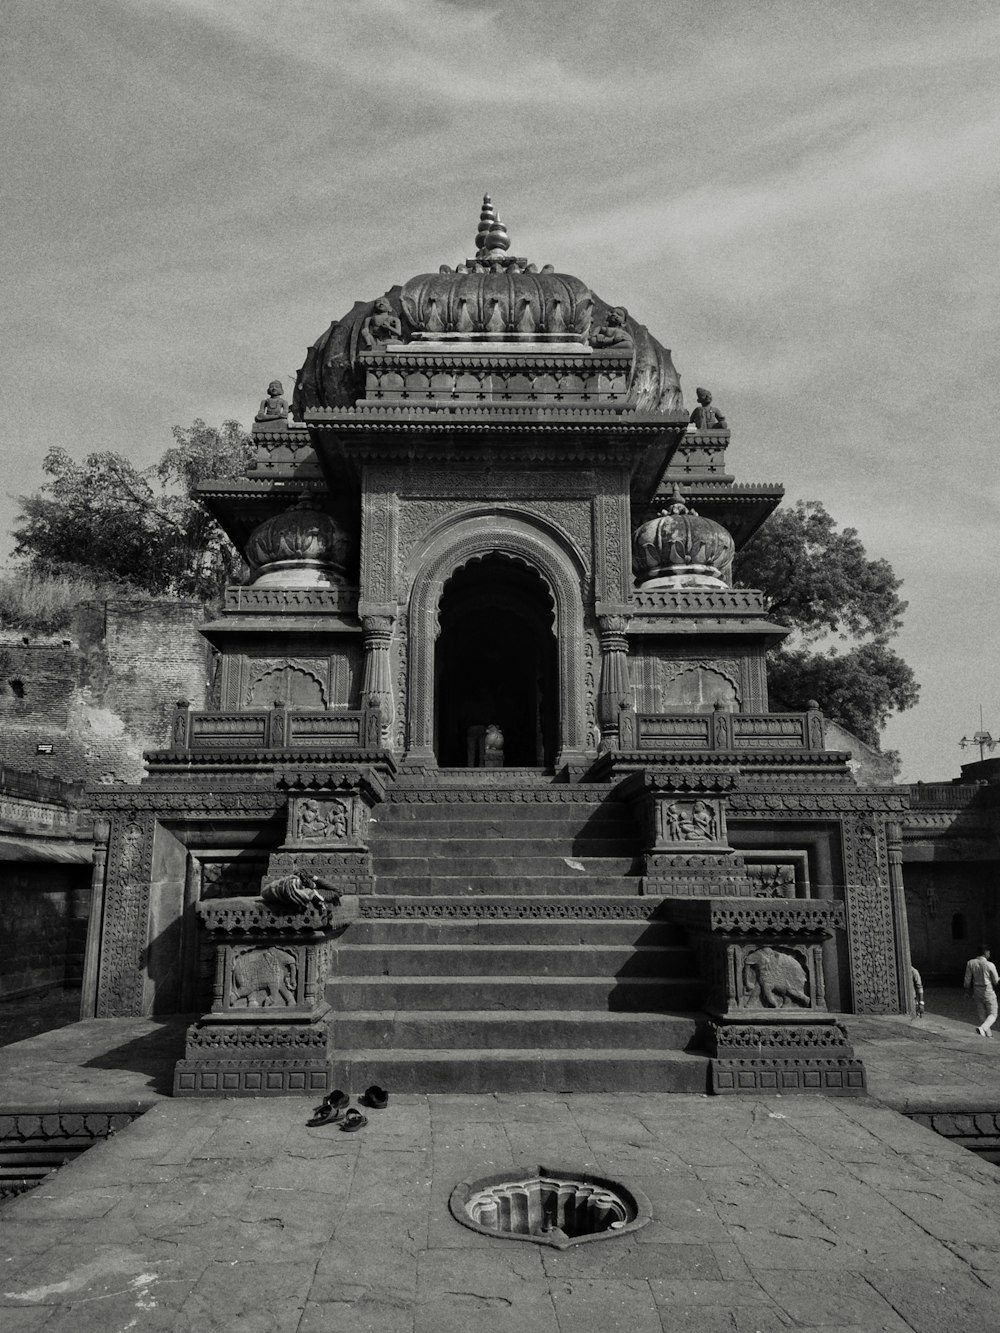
[(549, 1206)]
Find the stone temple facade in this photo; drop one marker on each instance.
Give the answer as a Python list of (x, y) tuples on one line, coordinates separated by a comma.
[(490, 794)]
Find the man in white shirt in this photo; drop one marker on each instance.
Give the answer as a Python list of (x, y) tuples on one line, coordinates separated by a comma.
[(980, 977)]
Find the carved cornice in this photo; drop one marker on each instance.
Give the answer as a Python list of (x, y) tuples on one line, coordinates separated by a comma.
[(251, 916), (714, 779), (496, 417), (260, 758), (517, 909), (767, 804), (288, 601), (414, 356), (699, 601), (769, 916), (253, 804)]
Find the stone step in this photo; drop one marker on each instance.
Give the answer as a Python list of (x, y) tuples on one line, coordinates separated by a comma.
[(436, 860), (630, 995), (536, 960), (510, 931), (516, 1070), (512, 884), (489, 1029)]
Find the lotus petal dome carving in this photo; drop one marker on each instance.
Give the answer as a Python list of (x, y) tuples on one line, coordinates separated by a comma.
[(302, 546), (680, 548)]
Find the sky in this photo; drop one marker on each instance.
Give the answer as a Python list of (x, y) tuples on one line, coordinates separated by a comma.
[(800, 199)]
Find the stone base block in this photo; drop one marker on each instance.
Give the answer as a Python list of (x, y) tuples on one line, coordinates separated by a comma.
[(233, 1078), (254, 1060), (842, 1076)]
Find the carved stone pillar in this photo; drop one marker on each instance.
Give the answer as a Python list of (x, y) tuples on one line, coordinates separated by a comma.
[(763, 962), (376, 680), (615, 692), (265, 1034), (91, 958)]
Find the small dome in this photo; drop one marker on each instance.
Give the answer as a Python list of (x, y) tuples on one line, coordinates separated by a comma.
[(680, 549), (301, 547)]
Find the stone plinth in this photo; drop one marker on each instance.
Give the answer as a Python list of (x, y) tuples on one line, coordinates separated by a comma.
[(763, 960), (327, 831), (265, 1034), (682, 821)]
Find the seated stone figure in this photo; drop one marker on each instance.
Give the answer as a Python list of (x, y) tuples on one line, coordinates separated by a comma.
[(275, 406), (613, 333), (705, 416), (380, 327)]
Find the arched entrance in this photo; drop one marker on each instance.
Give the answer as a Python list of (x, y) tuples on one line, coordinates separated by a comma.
[(496, 663), (522, 540)]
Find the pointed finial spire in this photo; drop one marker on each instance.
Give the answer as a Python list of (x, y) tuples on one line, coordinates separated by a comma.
[(492, 237)]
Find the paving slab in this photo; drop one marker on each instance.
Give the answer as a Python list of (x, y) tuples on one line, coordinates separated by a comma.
[(786, 1212)]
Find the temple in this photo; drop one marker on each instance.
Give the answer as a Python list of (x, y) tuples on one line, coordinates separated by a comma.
[(490, 793)]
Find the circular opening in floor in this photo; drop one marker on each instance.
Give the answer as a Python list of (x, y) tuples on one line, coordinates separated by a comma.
[(549, 1206)]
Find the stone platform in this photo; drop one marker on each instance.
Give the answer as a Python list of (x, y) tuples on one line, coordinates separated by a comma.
[(769, 1214)]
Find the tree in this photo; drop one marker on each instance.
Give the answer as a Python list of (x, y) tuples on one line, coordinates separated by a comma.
[(820, 581), (141, 529)]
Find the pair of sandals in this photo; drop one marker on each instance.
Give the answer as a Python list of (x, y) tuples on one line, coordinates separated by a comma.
[(333, 1103)]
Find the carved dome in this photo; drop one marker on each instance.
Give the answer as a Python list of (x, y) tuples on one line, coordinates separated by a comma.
[(492, 296), (301, 547), (680, 549)]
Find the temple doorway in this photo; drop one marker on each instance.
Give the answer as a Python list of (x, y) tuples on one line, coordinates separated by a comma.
[(495, 665)]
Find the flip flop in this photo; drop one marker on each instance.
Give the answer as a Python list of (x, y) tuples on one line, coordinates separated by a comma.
[(329, 1108), (353, 1120), (377, 1098)]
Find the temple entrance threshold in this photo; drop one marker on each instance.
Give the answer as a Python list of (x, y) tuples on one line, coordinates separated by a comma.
[(495, 664)]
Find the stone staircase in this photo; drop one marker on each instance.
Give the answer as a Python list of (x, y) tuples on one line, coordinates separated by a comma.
[(507, 948)]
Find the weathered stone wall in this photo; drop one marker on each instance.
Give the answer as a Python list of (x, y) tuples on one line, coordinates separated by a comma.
[(44, 909), (104, 693)]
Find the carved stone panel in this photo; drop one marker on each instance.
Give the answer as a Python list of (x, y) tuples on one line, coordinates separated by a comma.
[(869, 916), (379, 514), (262, 977), (126, 918)]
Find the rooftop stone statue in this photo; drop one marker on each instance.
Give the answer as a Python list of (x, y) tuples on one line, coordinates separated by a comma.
[(275, 406)]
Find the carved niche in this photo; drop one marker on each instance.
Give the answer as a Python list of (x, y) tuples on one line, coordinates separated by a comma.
[(690, 685), (297, 682)]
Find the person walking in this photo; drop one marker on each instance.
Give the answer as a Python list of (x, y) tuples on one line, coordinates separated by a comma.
[(980, 977)]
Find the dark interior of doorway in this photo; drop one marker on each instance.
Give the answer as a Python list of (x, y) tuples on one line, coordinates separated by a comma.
[(495, 662)]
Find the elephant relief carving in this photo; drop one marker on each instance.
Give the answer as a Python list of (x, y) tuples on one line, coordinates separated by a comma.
[(264, 978), (773, 979)]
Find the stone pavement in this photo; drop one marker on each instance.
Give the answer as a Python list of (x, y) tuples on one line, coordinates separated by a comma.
[(233, 1215), (789, 1212)]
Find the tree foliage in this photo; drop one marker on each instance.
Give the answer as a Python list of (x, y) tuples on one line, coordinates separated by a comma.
[(142, 529), (821, 583)]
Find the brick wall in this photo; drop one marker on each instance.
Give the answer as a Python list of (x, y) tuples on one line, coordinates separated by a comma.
[(104, 693)]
